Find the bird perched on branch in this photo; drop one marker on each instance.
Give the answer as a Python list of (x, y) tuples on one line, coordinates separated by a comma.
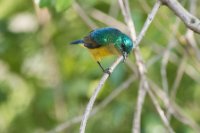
[(106, 41)]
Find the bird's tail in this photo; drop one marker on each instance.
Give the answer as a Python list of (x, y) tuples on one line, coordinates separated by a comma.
[(77, 42)]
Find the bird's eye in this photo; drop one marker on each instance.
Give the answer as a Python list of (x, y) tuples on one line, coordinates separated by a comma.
[(123, 45)]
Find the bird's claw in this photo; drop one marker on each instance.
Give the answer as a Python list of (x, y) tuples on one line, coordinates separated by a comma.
[(124, 56), (107, 70)]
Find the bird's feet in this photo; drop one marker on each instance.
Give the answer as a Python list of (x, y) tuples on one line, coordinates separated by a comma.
[(124, 54), (107, 70)]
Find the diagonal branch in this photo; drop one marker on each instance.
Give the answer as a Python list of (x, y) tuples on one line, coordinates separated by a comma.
[(174, 109), (107, 100), (189, 20), (148, 22), (84, 16), (95, 93), (99, 107)]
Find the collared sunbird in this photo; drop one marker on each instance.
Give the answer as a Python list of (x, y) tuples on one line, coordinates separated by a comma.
[(106, 41)]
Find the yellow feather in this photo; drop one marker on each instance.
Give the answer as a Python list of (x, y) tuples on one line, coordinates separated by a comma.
[(99, 53)]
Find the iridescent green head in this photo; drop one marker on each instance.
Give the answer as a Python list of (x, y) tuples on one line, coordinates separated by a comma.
[(124, 44)]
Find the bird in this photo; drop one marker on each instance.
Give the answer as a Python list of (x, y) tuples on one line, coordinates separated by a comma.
[(106, 41)]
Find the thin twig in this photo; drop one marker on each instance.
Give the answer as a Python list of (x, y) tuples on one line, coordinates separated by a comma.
[(108, 20), (114, 9), (179, 75), (138, 110), (148, 22), (142, 71), (174, 109), (190, 70), (141, 67), (84, 16), (160, 112), (94, 95), (189, 36), (102, 81), (99, 107), (139, 61), (190, 40), (158, 24), (124, 5), (107, 100), (166, 55)]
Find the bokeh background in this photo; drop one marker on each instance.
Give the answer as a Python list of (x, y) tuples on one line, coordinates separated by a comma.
[(45, 82)]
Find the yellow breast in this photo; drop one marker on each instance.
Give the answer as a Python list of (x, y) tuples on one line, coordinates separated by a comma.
[(99, 53)]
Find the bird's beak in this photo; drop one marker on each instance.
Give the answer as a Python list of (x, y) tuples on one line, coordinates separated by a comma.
[(124, 56)]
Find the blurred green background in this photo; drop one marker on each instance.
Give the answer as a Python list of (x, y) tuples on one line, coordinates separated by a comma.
[(44, 81)]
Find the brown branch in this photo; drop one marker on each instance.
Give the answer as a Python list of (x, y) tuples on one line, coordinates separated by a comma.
[(189, 20)]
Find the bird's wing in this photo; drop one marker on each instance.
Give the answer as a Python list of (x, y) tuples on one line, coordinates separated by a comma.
[(89, 43)]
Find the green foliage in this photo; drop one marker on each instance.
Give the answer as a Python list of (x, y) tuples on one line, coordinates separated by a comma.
[(59, 5), (46, 3), (4, 93), (62, 5)]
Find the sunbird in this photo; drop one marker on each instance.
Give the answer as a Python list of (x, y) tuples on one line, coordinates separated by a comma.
[(106, 41)]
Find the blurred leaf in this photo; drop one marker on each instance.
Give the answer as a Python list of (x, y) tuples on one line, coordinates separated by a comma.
[(61, 5), (4, 92), (45, 3)]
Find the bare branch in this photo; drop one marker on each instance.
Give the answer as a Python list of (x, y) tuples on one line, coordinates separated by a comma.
[(190, 70), (148, 22), (190, 21), (160, 112), (94, 95), (108, 20), (84, 16), (189, 37), (166, 55), (174, 109), (138, 109), (103, 79), (107, 100), (180, 72), (142, 70), (114, 9), (124, 5), (99, 107)]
